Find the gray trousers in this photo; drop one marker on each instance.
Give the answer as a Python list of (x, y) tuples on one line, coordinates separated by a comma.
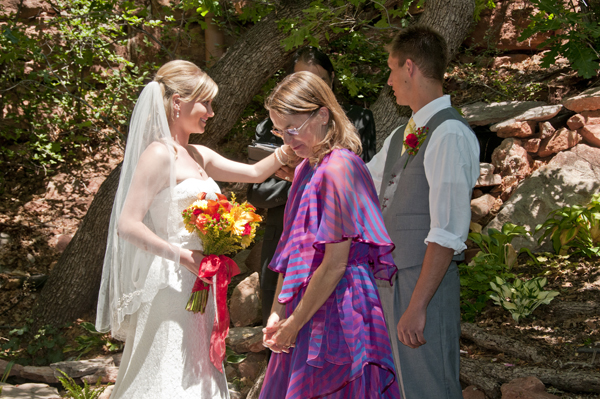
[(430, 371)]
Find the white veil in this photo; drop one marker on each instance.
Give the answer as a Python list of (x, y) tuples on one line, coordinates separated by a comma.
[(127, 279)]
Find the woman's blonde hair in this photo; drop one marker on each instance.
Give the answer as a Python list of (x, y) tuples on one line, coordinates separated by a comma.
[(304, 92), (186, 79)]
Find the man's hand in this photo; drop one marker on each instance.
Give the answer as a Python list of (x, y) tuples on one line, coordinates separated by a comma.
[(411, 326)]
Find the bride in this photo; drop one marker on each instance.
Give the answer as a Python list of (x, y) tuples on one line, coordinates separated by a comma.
[(151, 261)]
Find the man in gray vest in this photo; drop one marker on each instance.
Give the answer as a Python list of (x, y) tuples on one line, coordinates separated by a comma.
[(425, 172)]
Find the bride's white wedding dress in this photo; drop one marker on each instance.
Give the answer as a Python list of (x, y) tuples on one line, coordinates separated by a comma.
[(167, 349)]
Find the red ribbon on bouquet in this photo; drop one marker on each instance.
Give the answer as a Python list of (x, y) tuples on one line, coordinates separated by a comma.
[(224, 268)]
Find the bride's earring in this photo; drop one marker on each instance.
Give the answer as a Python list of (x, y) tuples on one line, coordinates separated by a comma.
[(177, 115)]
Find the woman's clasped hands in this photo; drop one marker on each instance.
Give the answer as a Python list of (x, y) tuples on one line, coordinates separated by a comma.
[(280, 334)]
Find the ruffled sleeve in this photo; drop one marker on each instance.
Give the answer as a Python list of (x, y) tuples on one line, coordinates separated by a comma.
[(332, 203)]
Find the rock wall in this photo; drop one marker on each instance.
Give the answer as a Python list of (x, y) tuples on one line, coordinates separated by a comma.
[(549, 158)]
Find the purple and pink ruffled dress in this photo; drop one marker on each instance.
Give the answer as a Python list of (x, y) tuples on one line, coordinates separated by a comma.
[(344, 350)]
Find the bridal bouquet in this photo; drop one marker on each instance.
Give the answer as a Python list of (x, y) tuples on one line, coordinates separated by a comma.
[(224, 227)]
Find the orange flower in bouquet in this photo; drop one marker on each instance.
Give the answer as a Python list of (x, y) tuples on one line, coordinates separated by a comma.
[(224, 228)]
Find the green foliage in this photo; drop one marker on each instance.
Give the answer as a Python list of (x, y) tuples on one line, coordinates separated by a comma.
[(481, 5), (475, 282), (360, 63), (574, 228), (521, 298), (498, 243), (232, 357), (96, 340), (496, 258), (77, 392), (67, 81), (39, 349), (575, 34)]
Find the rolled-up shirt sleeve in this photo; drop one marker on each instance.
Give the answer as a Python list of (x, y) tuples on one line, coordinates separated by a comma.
[(452, 168)]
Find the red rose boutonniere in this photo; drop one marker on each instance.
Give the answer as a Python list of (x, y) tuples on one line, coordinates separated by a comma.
[(413, 141)]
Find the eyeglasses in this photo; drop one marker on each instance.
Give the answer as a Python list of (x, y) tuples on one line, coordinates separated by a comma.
[(293, 131)]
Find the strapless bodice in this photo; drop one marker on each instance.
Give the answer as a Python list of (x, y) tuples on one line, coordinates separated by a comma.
[(170, 226)]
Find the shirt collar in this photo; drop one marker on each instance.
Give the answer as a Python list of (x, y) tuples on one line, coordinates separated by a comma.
[(424, 114)]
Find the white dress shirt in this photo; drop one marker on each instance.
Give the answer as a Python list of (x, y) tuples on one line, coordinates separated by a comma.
[(451, 167)]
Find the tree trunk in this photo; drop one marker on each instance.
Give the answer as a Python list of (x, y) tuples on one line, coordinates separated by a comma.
[(250, 62), (452, 19), (500, 343), (72, 288), (489, 377)]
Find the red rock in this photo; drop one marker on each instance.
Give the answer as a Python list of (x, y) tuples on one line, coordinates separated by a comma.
[(14, 371), (591, 117), (576, 121), (252, 365), (501, 27), (525, 388), (106, 375), (546, 130), (253, 259), (532, 145), (245, 304), (589, 100), (517, 129), (510, 158), (472, 392), (29, 8), (481, 206), (591, 135), (509, 59), (584, 118), (561, 140), (476, 193), (488, 180), (508, 186)]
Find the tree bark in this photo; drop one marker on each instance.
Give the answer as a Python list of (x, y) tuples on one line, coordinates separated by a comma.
[(72, 288), (452, 19), (251, 61), (500, 343), (489, 377)]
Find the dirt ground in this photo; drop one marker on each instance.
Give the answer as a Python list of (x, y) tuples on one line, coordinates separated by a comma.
[(41, 209)]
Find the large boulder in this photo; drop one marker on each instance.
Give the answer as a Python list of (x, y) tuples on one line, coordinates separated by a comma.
[(502, 25), (588, 100), (561, 140), (511, 159), (537, 114), (481, 114), (591, 134), (246, 305), (570, 178)]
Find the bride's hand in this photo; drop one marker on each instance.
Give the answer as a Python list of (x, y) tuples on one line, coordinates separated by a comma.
[(191, 259), (292, 160)]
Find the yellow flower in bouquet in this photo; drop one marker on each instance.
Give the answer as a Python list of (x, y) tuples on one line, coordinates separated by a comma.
[(224, 228)]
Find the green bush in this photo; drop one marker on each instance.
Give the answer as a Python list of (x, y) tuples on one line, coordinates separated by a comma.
[(575, 34), (574, 228), (521, 298)]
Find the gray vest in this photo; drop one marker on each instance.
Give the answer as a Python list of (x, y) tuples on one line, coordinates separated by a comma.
[(406, 215)]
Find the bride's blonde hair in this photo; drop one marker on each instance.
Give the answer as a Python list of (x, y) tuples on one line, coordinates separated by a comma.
[(187, 80), (305, 92)]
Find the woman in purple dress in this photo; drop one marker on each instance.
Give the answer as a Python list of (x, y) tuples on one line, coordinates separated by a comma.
[(327, 329)]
